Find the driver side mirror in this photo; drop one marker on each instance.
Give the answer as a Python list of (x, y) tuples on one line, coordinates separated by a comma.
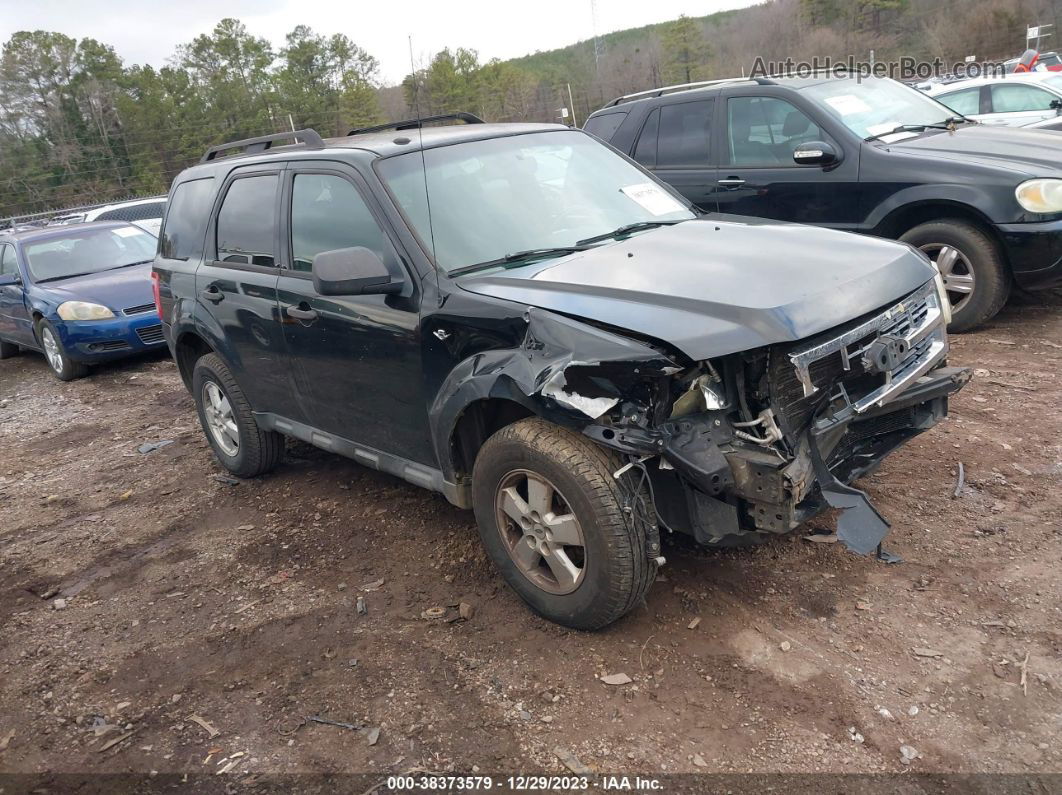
[(352, 271), (1056, 105), (815, 153)]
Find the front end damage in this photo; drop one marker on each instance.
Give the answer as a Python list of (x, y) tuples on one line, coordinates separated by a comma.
[(756, 443)]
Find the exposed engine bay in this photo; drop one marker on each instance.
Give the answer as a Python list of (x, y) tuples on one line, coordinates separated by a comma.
[(758, 442)]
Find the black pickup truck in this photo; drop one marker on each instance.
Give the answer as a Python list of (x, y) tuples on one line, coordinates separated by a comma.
[(522, 319)]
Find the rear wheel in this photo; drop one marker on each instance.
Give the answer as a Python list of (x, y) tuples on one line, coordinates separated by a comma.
[(972, 266), (64, 368), (240, 445), (551, 517)]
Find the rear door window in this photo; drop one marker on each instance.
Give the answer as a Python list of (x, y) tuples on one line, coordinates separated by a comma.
[(645, 151), (186, 218), (246, 228), (685, 130), (605, 125)]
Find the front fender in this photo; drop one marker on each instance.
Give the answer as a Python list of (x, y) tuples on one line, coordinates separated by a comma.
[(967, 199), (565, 371)]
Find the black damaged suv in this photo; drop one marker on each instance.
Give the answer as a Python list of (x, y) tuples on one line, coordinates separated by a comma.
[(522, 319)]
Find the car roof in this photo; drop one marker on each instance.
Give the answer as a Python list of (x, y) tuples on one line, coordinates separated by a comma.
[(132, 203), (1016, 77), (379, 144), (59, 231)]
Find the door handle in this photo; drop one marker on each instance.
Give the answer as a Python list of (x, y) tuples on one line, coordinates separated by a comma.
[(732, 182), (300, 314), (212, 294)]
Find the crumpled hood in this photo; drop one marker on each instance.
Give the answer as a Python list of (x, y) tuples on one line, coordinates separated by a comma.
[(118, 289), (719, 284), (1035, 153)]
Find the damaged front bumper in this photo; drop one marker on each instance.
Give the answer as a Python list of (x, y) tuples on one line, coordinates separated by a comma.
[(830, 411)]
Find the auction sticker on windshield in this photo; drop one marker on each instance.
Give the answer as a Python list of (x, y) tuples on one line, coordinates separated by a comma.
[(847, 104), (652, 198)]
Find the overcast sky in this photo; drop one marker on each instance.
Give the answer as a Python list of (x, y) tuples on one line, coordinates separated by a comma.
[(148, 31)]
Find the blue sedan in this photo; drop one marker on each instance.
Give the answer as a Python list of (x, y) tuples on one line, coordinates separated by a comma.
[(79, 294)]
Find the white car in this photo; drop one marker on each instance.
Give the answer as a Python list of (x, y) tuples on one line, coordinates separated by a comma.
[(145, 213), (1011, 101)]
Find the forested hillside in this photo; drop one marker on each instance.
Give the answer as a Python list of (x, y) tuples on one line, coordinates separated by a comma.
[(77, 125)]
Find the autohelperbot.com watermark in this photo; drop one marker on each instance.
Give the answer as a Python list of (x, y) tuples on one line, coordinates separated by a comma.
[(906, 68)]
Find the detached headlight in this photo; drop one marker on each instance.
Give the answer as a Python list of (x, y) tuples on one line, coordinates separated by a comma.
[(81, 310), (1040, 195)]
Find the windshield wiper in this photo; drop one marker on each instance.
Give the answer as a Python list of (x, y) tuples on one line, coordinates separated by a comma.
[(948, 124), (626, 229), (65, 276), (520, 257), (130, 264)]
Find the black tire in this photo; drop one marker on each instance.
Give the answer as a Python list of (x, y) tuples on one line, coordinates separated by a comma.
[(992, 280), (616, 570), (65, 368), (256, 451), (8, 349)]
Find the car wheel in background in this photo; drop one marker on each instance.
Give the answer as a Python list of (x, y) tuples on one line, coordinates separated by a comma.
[(8, 349), (550, 515), (975, 274), (240, 445), (64, 368)]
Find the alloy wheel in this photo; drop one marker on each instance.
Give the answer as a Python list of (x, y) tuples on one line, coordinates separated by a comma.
[(51, 350), (540, 532), (220, 420), (955, 269)]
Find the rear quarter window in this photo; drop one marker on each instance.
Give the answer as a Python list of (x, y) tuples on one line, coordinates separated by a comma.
[(605, 125), (184, 224)]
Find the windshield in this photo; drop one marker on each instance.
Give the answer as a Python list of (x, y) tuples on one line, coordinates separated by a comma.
[(83, 251), (492, 198), (877, 106)]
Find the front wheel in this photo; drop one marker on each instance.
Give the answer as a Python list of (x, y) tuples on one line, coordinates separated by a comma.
[(551, 517), (240, 445), (972, 266), (63, 367)]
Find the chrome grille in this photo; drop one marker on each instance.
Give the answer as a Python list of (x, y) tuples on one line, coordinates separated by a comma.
[(918, 320)]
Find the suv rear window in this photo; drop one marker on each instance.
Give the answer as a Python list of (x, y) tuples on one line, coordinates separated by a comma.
[(605, 125), (182, 235), (246, 232)]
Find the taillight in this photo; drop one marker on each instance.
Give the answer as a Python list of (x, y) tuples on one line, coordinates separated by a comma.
[(155, 292)]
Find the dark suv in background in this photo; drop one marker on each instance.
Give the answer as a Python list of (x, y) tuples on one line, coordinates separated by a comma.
[(864, 155), (520, 318)]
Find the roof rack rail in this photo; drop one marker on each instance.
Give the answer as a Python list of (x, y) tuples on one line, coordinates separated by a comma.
[(657, 92), (413, 124), (308, 138)]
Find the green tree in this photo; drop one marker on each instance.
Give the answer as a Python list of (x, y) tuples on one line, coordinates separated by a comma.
[(685, 51)]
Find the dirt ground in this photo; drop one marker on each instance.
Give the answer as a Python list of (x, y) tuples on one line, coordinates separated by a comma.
[(140, 590)]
